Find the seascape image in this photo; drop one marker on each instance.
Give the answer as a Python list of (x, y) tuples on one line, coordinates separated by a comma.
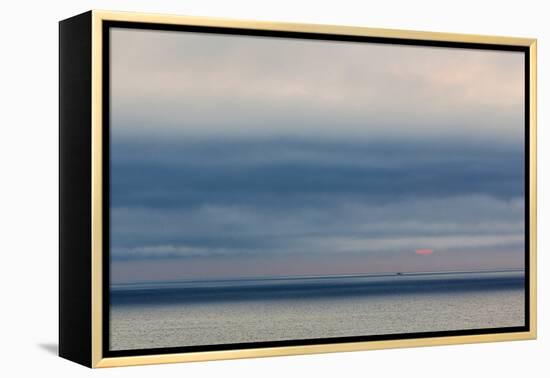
[(276, 189)]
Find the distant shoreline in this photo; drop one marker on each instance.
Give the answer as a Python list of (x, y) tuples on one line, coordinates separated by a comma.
[(317, 288), (122, 286)]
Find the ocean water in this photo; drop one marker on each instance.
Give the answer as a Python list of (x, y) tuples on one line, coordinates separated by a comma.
[(192, 313)]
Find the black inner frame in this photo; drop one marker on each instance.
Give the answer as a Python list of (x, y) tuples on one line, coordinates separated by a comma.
[(106, 25)]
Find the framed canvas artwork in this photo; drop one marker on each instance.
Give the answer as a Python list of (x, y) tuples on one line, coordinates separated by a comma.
[(235, 189)]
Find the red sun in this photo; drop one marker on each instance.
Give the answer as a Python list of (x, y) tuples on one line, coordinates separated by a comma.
[(424, 251)]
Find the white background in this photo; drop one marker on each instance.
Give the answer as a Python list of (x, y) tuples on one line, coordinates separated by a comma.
[(29, 189)]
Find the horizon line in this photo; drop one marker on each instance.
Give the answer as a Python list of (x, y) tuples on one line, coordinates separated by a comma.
[(326, 276)]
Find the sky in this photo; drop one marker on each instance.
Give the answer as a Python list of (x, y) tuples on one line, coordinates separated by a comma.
[(239, 156)]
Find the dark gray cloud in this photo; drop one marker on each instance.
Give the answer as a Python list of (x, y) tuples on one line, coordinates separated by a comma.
[(297, 173), (271, 199), (451, 223)]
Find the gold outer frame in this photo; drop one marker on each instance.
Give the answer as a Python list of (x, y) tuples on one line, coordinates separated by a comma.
[(97, 196)]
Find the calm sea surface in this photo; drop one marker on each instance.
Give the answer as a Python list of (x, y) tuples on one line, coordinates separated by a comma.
[(173, 314)]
